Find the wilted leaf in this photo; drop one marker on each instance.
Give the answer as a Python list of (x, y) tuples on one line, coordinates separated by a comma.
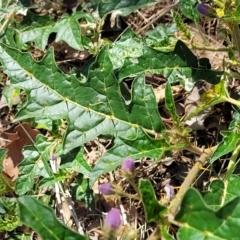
[(41, 218), (24, 135)]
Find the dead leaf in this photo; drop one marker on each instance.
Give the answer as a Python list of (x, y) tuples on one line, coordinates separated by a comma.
[(24, 135), (160, 92)]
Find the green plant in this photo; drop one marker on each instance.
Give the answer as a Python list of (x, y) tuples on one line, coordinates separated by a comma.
[(95, 101)]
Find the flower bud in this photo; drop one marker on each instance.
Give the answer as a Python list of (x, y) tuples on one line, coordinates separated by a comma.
[(113, 219), (128, 165), (106, 189), (205, 9)]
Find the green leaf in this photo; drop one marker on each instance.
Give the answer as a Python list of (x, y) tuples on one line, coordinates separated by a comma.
[(220, 192), (188, 8), (201, 222), (129, 46), (213, 197), (9, 219), (41, 218), (3, 153), (74, 161), (67, 29), (234, 125), (6, 184), (91, 108), (50, 181), (201, 68), (141, 146), (81, 191), (227, 145), (43, 123), (10, 93), (175, 66), (216, 94), (19, 236), (123, 7), (33, 164), (170, 103), (31, 21), (153, 209), (162, 38)]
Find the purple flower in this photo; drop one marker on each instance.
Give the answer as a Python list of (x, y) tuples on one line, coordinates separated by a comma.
[(113, 219), (205, 9), (169, 191), (106, 189), (128, 165)]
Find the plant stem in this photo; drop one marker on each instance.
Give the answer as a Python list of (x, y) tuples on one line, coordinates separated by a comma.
[(231, 163), (175, 203), (198, 47), (236, 35), (231, 100), (131, 181), (202, 35), (229, 172)]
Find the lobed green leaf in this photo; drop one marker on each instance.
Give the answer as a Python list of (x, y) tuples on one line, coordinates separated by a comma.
[(220, 192), (66, 29), (91, 108), (175, 66), (201, 222)]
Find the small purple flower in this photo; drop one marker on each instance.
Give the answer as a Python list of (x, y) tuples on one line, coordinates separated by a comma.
[(128, 165), (205, 9), (113, 219), (106, 189), (169, 191)]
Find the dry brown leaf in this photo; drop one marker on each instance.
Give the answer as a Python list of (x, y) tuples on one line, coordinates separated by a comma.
[(24, 135), (160, 92)]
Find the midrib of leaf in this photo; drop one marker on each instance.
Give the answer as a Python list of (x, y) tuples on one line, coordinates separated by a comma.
[(57, 95), (51, 233)]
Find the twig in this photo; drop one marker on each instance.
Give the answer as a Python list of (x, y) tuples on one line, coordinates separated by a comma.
[(159, 15), (8, 17)]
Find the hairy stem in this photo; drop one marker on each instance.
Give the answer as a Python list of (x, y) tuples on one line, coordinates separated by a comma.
[(175, 203)]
